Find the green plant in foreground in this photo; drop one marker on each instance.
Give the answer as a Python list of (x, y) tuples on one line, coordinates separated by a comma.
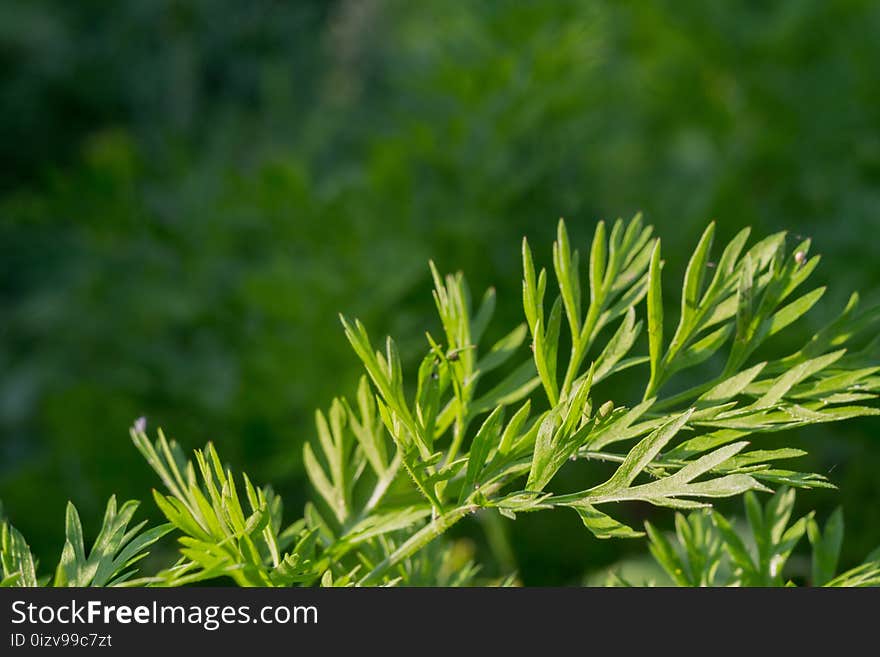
[(488, 429), (109, 562), (708, 551)]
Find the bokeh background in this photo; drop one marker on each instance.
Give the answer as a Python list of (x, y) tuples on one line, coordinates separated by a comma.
[(190, 191)]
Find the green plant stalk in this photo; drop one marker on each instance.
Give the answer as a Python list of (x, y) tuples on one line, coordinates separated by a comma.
[(458, 432), (432, 498), (580, 347), (498, 540), (417, 542), (685, 396), (245, 579)]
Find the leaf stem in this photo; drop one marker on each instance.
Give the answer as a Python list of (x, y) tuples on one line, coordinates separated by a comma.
[(417, 541)]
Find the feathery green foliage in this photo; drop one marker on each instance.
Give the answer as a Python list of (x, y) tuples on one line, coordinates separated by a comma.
[(110, 561), (709, 550), (487, 428)]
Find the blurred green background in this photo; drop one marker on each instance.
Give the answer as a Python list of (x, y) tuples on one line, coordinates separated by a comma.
[(190, 191)]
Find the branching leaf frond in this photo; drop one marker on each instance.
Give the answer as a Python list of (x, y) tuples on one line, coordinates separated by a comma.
[(481, 427)]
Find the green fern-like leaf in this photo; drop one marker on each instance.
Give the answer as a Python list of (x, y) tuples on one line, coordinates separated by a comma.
[(486, 429)]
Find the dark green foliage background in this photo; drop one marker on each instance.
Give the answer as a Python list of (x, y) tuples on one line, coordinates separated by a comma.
[(191, 190)]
